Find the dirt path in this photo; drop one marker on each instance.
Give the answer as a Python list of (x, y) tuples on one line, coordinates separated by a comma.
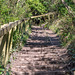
[(41, 55)]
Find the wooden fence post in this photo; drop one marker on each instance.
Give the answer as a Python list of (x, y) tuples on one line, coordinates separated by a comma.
[(5, 46), (30, 23), (8, 45), (2, 48), (49, 17)]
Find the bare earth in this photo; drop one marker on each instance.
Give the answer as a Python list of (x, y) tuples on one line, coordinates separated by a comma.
[(42, 55)]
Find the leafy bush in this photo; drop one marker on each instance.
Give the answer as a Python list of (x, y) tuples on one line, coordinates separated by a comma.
[(13, 10), (36, 7), (20, 37), (2, 69), (62, 10)]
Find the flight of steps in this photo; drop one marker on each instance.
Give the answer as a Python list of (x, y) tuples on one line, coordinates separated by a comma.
[(42, 55)]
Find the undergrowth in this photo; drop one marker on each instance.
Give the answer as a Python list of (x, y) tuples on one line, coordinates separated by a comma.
[(20, 38)]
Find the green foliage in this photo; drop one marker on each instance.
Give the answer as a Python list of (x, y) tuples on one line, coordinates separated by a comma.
[(20, 36), (24, 38), (2, 69), (36, 7), (46, 3), (16, 39), (13, 10), (62, 10), (71, 4)]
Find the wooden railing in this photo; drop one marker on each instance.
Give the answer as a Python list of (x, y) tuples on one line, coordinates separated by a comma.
[(48, 14), (6, 35)]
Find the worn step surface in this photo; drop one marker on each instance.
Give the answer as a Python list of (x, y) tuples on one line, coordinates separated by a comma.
[(41, 55)]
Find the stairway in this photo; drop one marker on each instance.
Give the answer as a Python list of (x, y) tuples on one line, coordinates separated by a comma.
[(42, 55)]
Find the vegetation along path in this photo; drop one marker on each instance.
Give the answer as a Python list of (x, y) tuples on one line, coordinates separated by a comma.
[(42, 55)]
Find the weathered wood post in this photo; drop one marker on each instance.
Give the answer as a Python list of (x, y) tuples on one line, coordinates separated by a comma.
[(48, 20), (74, 72), (8, 45), (30, 22), (5, 42), (21, 27), (49, 17)]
